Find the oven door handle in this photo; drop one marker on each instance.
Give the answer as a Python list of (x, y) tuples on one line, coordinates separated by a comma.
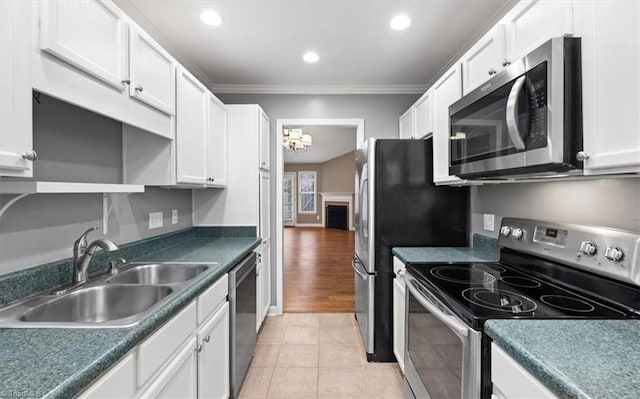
[(460, 329), (512, 114)]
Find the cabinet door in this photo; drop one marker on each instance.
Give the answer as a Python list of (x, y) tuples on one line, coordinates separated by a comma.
[(264, 141), (266, 278), (510, 380), (398, 320), (531, 23), (265, 201), (423, 116), (191, 130), (406, 124), (216, 142), (610, 65), (16, 137), (119, 382), (179, 378), (213, 359), (484, 59), (89, 34), (446, 91), (152, 72)]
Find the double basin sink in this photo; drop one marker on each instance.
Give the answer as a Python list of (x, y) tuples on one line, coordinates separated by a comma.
[(109, 301)]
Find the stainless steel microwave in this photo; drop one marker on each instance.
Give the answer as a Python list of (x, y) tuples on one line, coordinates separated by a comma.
[(525, 121)]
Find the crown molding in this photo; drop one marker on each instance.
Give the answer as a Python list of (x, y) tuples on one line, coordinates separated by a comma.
[(318, 89)]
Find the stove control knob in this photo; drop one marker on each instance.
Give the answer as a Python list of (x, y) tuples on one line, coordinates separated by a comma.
[(505, 231), (588, 248), (517, 233), (614, 254)]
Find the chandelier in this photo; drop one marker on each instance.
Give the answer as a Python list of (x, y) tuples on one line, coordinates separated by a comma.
[(294, 140)]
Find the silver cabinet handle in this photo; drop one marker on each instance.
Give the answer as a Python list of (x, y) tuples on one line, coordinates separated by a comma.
[(207, 338), (492, 71), (506, 62), (30, 155), (139, 89), (126, 81), (198, 348), (401, 273), (581, 156), (512, 114)]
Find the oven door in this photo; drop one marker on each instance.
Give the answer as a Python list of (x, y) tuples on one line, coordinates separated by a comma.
[(443, 354)]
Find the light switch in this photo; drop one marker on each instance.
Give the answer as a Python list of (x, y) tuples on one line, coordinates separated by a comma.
[(489, 220)]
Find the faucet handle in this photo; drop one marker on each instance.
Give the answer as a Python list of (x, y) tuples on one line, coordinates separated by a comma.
[(81, 243)]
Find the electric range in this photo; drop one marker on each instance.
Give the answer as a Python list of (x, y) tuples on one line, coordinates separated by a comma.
[(546, 271)]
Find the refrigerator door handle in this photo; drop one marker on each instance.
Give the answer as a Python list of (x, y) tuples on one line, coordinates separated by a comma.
[(363, 274)]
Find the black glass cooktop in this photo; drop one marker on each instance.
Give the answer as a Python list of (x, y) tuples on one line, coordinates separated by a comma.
[(481, 291)]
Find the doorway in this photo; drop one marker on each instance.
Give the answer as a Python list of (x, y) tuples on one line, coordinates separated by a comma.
[(321, 256)]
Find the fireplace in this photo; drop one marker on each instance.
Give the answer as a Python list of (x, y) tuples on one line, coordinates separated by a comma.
[(337, 216)]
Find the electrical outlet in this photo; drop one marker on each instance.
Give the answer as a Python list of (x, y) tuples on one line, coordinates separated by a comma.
[(317, 217), (174, 216), (155, 220), (489, 220)]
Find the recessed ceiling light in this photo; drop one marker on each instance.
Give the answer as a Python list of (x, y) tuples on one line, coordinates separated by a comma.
[(400, 22), (212, 18), (310, 57)]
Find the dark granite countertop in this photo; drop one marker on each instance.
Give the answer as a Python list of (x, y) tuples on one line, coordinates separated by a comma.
[(59, 363), (575, 358), (484, 249)]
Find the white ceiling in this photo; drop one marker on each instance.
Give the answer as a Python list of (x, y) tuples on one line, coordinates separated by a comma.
[(262, 41), (328, 142)]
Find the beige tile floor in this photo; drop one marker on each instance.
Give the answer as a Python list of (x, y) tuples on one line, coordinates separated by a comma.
[(317, 355)]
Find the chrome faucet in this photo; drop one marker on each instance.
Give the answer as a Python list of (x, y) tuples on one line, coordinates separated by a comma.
[(83, 251)]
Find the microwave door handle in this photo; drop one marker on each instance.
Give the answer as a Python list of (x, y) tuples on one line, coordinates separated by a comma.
[(461, 330), (512, 114)]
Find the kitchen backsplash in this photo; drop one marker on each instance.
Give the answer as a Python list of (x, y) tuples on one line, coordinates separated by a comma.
[(604, 202)]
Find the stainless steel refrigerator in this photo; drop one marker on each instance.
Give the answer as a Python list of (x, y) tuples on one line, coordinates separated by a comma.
[(397, 205)]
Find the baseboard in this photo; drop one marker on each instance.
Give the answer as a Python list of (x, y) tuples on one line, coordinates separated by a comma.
[(309, 225), (273, 311)]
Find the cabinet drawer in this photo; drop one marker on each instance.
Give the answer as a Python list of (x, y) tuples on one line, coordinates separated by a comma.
[(158, 348), (512, 381), (212, 298), (119, 382)]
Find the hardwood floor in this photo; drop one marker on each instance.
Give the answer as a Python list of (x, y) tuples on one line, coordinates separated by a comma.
[(318, 277)]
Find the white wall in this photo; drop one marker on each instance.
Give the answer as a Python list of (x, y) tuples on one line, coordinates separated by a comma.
[(604, 202)]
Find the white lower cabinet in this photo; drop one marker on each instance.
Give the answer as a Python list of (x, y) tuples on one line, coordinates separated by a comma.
[(399, 312), (213, 356), (179, 378), (188, 357), (511, 381), (118, 382)]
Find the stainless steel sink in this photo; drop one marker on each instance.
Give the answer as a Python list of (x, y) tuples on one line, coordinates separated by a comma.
[(98, 304), (159, 273), (106, 301)]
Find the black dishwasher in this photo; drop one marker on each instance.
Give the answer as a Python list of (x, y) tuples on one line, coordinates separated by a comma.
[(243, 314)]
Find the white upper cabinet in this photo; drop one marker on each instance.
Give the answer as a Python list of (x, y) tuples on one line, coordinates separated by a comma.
[(446, 91), (216, 142), (406, 124), (152, 72), (264, 141), (423, 116), (90, 35), (610, 34), (484, 59), (16, 138), (531, 23), (191, 130)]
